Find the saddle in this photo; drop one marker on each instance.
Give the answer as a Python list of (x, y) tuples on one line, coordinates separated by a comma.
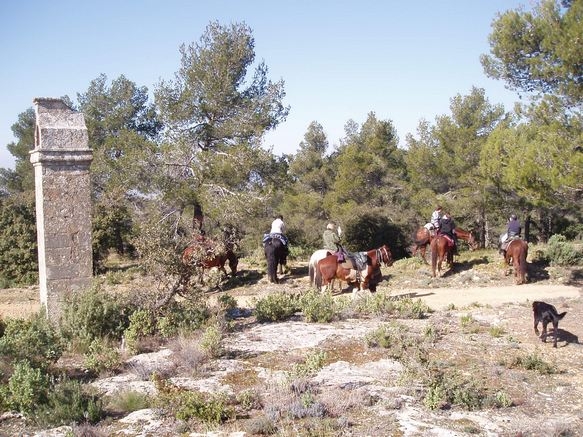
[(505, 243), (450, 241), (355, 261)]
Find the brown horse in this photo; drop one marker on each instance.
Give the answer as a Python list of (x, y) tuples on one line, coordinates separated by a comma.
[(365, 275), (516, 252), (205, 254), (421, 240), (468, 237), (441, 250)]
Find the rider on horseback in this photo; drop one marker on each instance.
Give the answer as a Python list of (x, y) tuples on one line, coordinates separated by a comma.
[(278, 231), (433, 225), (331, 239), (447, 227), (513, 230)]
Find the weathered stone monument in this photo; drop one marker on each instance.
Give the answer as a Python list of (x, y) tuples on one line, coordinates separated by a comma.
[(61, 160)]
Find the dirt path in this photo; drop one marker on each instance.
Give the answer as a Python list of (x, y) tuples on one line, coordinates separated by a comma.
[(440, 298)]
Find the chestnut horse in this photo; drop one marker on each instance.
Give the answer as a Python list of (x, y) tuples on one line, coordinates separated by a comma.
[(205, 254), (441, 250), (468, 237), (516, 252), (364, 277), (422, 239)]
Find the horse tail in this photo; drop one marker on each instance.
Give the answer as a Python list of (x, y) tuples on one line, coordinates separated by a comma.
[(317, 276), (311, 271)]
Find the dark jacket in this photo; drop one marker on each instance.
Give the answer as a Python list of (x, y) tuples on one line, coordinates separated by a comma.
[(514, 228), (447, 226)]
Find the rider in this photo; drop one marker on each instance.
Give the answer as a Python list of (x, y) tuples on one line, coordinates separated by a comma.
[(447, 227), (331, 239), (278, 231), (435, 217), (513, 230)]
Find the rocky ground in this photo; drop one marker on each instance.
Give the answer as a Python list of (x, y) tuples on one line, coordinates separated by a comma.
[(479, 335)]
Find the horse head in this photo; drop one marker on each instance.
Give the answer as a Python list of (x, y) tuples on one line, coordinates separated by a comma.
[(386, 257), (472, 241)]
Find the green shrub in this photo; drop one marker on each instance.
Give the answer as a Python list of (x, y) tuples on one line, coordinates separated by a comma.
[(562, 253), (396, 338), (102, 356), (318, 307), (311, 365), (379, 304), (142, 324), (210, 342), (181, 318), (67, 402), (455, 389), (91, 315), (27, 388), (18, 245), (129, 401), (276, 307), (531, 362), (33, 339), (186, 405)]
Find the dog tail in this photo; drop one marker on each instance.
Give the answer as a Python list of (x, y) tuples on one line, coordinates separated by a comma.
[(560, 316)]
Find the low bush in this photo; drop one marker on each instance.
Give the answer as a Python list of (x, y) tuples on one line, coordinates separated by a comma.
[(182, 318), (318, 307), (186, 405), (68, 401), (102, 356), (560, 252), (142, 324), (33, 339), (28, 388), (276, 307), (91, 315)]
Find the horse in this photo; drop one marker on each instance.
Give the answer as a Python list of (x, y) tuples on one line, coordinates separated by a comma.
[(441, 250), (468, 237), (421, 240), (313, 263), (516, 252), (275, 254), (365, 275), (205, 254)]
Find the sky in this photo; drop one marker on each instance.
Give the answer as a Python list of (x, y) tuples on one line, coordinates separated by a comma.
[(340, 60)]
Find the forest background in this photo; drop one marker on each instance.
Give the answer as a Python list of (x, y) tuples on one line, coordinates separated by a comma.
[(197, 148)]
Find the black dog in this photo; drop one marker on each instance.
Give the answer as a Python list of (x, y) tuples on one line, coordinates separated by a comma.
[(546, 313)]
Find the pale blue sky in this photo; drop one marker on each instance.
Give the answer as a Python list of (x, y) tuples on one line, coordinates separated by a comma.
[(339, 59)]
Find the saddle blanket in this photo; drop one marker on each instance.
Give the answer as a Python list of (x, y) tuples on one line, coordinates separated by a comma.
[(280, 237)]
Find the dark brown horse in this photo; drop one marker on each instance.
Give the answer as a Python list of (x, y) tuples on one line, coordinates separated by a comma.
[(441, 250), (516, 252), (204, 253), (275, 255), (365, 276)]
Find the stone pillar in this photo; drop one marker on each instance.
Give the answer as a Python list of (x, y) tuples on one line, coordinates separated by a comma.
[(61, 160)]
